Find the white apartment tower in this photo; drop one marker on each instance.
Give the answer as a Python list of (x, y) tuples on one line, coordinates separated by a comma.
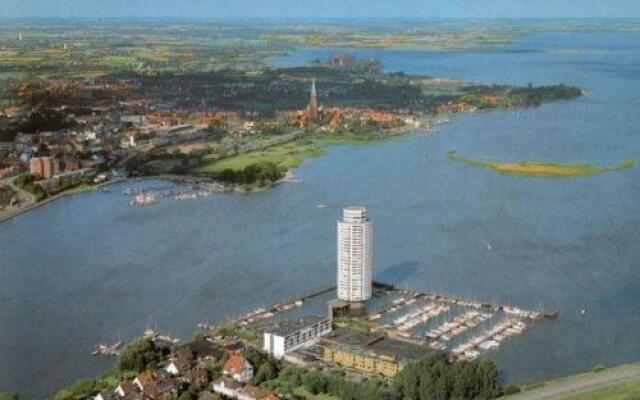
[(355, 255)]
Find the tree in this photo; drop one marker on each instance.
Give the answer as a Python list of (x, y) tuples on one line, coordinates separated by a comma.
[(81, 389), (435, 377), (266, 372), (139, 356)]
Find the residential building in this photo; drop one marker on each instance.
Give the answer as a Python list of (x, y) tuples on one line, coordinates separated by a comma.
[(125, 389), (144, 380), (44, 167), (355, 255), (294, 335), (163, 388), (238, 368), (180, 361), (198, 376), (226, 386), (254, 393)]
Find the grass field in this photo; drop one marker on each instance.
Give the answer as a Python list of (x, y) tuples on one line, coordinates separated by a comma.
[(621, 391), (286, 156), (542, 170), (621, 382)]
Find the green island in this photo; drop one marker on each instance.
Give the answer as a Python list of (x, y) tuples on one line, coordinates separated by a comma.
[(541, 169)]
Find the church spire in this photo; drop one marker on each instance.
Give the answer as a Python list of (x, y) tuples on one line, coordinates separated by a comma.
[(313, 102)]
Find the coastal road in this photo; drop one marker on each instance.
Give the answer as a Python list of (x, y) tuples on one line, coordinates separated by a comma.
[(582, 383), (25, 200)]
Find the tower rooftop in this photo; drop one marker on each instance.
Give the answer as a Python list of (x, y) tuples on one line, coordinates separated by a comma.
[(354, 214)]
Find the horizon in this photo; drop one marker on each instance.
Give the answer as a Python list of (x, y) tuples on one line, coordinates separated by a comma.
[(18, 9)]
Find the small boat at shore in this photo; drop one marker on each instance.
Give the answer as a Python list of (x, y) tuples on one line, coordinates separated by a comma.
[(108, 350)]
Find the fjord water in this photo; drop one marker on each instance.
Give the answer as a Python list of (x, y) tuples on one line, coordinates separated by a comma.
[(89, 268)]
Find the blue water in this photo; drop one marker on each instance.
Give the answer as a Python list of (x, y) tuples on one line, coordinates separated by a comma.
[(90, 268)]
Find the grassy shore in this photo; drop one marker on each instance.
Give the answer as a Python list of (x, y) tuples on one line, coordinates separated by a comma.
[(620, 391), (541, 170), (286, 156), (616, 383)]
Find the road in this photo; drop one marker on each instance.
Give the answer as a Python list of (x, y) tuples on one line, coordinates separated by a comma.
[(581, 383), (25, 200)]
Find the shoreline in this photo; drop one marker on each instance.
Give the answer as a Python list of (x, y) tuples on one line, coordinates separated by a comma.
[(14, 213), (430, 125)]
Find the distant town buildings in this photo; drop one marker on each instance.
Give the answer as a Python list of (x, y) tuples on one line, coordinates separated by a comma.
[(45, 167), (290, 337), (355, 255)]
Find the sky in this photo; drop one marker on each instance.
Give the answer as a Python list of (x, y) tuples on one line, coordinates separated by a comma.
[(320, 8)]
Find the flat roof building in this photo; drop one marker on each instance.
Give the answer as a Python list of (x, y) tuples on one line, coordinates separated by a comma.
[(370, 353), (294, 335)]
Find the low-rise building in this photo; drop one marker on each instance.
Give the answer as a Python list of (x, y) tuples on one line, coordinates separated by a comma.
[(125, 389), (254, 393), (144, 380), (226, 386), (367, 353), (292, 336)]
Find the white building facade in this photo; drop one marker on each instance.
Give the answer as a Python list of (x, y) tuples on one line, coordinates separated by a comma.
[(355, 255), (305, 332)]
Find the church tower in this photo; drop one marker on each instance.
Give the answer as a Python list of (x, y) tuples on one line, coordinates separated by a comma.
[(313, 102)]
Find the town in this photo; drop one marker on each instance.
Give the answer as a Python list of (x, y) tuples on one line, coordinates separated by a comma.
[(361, 348), (238, 127)]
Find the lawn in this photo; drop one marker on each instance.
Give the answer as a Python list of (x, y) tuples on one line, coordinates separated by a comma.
[(286, 156), (621, 391)]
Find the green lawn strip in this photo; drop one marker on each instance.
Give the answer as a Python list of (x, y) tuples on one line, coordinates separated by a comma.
[(285, 156), (621, 391), (584, 376)]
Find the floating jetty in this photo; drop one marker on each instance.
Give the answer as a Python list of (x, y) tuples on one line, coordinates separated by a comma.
[(269, 312), (491, 338), (459, 325)]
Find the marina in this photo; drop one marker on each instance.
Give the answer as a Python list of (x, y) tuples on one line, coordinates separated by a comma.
[(184, 192), (464, 328)]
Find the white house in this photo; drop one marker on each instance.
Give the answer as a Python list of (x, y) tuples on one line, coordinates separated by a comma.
[(172, 369)]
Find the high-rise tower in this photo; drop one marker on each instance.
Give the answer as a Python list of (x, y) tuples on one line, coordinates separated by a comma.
[(355, 255), (313, 102)]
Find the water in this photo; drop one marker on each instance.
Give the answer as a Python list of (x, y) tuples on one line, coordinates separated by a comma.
[(90, 268)]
